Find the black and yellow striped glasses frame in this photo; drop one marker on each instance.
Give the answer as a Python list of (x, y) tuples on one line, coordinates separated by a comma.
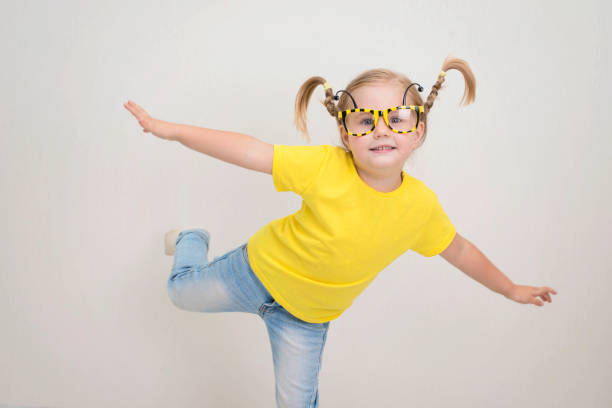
[(385, 114), (342, 115)]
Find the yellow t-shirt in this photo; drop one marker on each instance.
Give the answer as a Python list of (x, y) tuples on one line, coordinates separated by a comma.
[(316, 261)]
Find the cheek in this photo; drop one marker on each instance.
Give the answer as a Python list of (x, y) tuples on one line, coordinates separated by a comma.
[(361, 142), (408, 144)]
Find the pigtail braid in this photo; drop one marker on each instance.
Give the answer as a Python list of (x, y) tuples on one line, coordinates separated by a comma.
[(329, 101), (433, 94), (469, 93), (302, 99)]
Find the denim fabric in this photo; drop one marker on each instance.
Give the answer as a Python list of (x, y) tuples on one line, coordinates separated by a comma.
[(228, 284)]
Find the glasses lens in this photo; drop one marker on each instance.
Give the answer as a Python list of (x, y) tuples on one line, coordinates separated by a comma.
[(359, 122), (402, 120)]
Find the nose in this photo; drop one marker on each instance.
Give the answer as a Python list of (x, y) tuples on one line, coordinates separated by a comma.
[(381, 127)]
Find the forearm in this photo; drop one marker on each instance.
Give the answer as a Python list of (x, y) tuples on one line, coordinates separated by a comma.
[(476, 265), (230, 147)]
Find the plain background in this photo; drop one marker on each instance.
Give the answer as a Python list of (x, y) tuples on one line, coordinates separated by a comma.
[(524, 173)]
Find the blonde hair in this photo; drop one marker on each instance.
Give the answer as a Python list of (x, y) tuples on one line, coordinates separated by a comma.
[(377, 76)]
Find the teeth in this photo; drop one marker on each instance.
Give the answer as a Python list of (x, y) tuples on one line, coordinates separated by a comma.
[(383, 148)]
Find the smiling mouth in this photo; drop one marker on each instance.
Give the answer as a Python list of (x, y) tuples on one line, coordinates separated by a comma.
[(385, 149)]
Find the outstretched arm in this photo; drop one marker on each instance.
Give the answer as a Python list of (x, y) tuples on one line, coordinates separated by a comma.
[(236, 148), (464, 255)]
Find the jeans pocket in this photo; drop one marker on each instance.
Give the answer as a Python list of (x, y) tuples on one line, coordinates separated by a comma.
[(270, 304), (268, 307)]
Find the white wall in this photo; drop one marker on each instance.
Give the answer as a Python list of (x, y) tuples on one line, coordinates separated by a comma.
[(524, 173)]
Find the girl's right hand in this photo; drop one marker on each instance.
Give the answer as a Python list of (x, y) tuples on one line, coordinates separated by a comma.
[(158, 127)]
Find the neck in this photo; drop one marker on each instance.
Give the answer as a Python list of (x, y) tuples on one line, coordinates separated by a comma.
[(385, 183)]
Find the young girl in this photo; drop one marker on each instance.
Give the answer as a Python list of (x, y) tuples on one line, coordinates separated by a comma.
[(360, 211)]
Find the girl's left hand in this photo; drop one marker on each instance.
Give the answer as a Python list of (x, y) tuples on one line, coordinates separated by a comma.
[(528, 294)]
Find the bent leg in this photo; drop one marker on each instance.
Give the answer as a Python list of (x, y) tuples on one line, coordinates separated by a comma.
[(201, 286)]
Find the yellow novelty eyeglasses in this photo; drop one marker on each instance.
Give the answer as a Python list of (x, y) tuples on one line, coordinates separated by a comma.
[(400, 119)]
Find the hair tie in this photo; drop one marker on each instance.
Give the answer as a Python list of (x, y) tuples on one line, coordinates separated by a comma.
[(326, 85), (442, 73)]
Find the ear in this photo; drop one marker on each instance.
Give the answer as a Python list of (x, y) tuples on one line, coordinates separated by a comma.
[(343, 134), (419, 132)]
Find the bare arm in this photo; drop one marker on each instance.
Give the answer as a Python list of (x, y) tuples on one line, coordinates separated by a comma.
[(235, 148), (464, 255)]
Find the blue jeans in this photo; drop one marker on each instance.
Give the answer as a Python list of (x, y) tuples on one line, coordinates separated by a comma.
[(228, 284)]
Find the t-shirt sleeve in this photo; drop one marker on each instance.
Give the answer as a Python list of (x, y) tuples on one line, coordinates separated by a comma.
[(437, 232), (294, 168)]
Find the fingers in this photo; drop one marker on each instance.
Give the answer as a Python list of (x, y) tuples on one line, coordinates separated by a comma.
[(543, 292), (551, 290), (535, 300), (530, 294), (136, 110), (130, 106), (545, 296)]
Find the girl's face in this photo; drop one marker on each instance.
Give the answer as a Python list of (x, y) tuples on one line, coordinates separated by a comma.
[(389, 162)]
